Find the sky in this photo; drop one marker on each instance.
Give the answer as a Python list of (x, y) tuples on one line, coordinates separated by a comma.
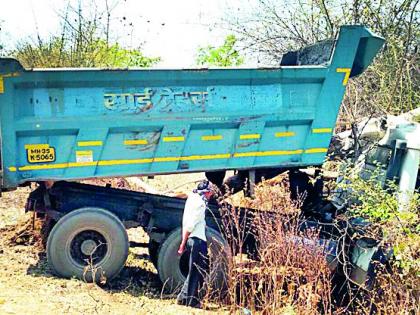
[(171, 29)]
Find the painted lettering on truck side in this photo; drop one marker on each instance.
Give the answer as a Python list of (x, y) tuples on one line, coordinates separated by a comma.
[(162, 98)]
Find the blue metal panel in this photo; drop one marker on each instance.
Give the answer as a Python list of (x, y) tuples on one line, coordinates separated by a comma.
[(80, 123)]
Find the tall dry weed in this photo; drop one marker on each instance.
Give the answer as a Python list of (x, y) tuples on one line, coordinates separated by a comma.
[(288, 270), (391, 294)]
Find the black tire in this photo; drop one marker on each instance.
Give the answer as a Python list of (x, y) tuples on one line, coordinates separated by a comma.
[(88, 230), (173, 269), (46, 227), (153, 252)]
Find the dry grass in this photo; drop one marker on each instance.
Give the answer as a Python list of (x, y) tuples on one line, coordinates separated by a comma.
[(391, 294), (291, 274)]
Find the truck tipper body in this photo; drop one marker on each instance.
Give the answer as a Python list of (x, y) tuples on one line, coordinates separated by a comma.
[(69, 124), (63, 125)]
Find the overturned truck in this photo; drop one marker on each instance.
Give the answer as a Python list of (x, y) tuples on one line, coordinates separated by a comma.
[(63, 125)]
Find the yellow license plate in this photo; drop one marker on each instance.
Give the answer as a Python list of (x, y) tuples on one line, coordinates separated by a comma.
[(40, 153)]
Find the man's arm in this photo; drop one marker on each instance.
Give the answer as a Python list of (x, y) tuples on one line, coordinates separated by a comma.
[(185, 237), (190, 219)]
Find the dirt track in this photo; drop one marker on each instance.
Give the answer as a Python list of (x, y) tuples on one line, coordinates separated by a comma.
[(27, 286)]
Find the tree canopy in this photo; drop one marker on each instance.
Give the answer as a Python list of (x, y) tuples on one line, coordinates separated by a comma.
[(93, 53), (84, 41), (391, 84), (223, 56)]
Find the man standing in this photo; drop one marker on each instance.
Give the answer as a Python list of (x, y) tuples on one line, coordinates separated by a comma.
[(194, 237)]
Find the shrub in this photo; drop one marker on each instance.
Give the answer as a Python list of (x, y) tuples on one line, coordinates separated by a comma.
[(291, 273), (396, 288)]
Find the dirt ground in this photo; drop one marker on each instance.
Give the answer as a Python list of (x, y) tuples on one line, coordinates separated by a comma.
[(27, 285)]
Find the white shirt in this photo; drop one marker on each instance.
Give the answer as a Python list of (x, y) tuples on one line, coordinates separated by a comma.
[(194, 218)]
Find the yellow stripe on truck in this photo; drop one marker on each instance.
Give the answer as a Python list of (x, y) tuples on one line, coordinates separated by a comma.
[(250, 136), (322, 130), (89, 143), (211, 138), (171, 159), (173, 139), (135, 142), (347, 72), (284, 134)]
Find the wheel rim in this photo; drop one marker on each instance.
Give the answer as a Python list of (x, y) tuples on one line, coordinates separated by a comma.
[(88, 247)]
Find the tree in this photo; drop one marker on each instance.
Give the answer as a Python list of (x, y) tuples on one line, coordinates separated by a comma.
[(391, 84), (95, 52), (84, 42), (223, 56)]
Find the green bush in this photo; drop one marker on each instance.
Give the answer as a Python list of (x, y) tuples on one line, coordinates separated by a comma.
[(379, 204), (224, 56), (90, 53)]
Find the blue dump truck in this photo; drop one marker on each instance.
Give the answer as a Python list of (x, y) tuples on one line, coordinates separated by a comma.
[(65, 125)]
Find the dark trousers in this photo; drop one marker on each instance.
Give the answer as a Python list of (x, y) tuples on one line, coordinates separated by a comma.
[(191, 291)]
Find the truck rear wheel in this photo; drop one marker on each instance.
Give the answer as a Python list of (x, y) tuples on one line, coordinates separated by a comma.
[(173, 269), (88, 243)]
